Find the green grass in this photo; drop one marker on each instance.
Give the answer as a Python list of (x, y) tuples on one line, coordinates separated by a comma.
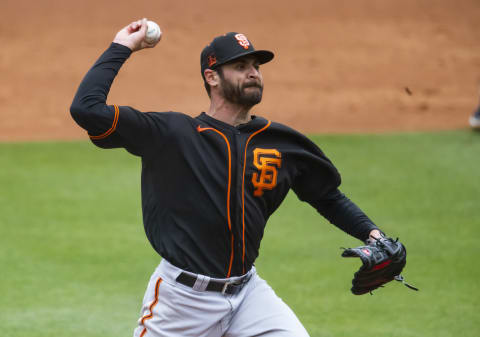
[(75, 261)]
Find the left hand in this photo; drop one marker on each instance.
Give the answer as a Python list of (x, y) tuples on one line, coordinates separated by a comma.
[(375, 234), (383, 259)]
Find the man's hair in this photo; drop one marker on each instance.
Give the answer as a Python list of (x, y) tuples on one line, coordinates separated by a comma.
[(219, 71)]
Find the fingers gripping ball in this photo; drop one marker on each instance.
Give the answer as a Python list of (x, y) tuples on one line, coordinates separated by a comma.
[(382, 261), (153, 34)]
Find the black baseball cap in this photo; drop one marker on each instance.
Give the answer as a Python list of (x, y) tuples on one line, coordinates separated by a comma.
[(228, 47)]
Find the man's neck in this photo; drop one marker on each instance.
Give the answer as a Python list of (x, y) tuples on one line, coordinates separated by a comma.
[(229, 113)]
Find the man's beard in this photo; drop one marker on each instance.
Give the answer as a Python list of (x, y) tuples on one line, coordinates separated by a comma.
[(238, 95)]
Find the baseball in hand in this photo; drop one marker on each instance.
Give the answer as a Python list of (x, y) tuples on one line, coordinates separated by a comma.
[(154, 34)]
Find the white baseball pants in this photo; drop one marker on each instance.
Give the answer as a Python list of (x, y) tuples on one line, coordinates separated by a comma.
[(171, 309)]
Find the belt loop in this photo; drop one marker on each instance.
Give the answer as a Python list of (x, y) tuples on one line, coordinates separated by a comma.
[(225, 286), (198, 283), (201, 283), (206, 281)]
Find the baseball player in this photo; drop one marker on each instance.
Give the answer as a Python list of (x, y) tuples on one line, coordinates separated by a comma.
[(209, 185)]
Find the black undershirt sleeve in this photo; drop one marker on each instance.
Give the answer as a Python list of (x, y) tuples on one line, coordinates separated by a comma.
[(343, 213)]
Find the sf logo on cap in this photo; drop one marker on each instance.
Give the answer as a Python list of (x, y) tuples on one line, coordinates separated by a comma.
[(211, 60), (242, 40)]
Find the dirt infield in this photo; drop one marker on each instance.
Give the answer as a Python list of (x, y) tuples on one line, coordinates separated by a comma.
[(340, 66)]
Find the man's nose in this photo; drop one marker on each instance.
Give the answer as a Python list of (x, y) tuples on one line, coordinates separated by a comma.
[(253, 73)]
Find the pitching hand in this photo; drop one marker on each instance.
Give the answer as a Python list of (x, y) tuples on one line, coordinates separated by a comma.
[(133, 36)]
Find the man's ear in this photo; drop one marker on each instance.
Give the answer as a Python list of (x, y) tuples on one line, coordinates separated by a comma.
[(211, 77)]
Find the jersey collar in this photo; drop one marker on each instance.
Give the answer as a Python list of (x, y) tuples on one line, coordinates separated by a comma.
[(255, 123)]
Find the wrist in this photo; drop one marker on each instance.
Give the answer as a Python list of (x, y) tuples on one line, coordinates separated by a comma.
[(120, 48), (374, 235), (124, 43)]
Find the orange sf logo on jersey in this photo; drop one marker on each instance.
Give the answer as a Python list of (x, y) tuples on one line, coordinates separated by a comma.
[(266, 161)]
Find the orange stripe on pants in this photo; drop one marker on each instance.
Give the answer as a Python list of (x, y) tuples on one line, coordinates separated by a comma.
[(152, 306)]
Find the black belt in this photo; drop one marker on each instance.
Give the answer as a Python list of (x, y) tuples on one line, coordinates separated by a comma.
[(226, 287)]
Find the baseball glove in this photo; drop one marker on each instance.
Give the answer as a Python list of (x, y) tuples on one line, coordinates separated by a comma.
[(382, 261)]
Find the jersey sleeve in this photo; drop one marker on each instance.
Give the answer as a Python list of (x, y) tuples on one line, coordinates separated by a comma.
[(314, 174), (316, 182), (133, 130), (113, 126)]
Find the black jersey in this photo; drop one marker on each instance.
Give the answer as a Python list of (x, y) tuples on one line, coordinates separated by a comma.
[(208, 188)]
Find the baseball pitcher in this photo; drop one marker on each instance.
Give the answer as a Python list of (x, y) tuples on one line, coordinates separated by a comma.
[(209, 185)]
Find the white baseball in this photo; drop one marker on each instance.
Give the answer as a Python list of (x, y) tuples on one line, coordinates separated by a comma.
[(154, 34)]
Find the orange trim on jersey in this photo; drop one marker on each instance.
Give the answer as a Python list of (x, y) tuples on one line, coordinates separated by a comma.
[(200, 129), (114, 126), (243, 190), (154, 303)]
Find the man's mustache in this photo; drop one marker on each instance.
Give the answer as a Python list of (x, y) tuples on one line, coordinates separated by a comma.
[(253, 85)]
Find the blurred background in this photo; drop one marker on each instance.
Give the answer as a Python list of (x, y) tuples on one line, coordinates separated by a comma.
[(384, 87), (340, 66)]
